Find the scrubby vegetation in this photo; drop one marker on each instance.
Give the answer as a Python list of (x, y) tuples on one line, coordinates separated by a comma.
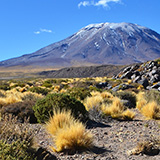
[(44, 107), (65, 105), (16, 140)]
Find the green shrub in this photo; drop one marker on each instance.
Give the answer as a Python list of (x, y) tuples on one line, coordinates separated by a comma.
[(4, 86), (44, 108), (79, 93), (39, 90), (17, 150), (19, 84), (48, 84), (130, 97), (1, 94)]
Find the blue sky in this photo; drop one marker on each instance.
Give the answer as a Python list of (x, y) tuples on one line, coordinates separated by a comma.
[(28, 25)]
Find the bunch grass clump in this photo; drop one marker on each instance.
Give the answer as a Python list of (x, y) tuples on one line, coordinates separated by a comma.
[(141, 101), (69, 133), (116, 110), (149, 147), (151, 110), (60, 120), (97, 99), (148, 105), (10, 97)]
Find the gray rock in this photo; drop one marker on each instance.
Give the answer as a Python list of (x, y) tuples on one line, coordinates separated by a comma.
[(156, 86), (135, 75), (122, 87), (128, 75), (136, 79), (155, 78), (127, 69), (144, 82)]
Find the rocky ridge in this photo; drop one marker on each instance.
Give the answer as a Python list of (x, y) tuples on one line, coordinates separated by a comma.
[(146, 74)]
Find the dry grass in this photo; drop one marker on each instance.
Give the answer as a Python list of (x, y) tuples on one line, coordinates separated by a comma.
[(73, 138), (60, 120), (116, 110), (68, 133), (149, 147), (151, 110), (141, 101), (94, 101), (97, 99), (13, 96), (106, 95), (128, 115)]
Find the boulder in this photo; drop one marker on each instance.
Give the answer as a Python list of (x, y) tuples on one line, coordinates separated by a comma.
[(128, 75), (144, 82), (121, 87)]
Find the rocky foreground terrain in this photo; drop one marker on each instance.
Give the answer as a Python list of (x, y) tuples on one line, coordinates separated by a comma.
[(113, 139)]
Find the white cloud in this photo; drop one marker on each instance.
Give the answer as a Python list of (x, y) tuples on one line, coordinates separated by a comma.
[(46, 30), (37, 32), (84, 3), (103, 3), (43, 30)]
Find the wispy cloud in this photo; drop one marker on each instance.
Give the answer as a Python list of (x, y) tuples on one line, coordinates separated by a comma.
[(43, 30), (103, 3)]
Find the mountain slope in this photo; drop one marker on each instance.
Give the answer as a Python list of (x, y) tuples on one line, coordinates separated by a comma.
[(104, 43)]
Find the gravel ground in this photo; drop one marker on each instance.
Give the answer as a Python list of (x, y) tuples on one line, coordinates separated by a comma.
[(113, 139)]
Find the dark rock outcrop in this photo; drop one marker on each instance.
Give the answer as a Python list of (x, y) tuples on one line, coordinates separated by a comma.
[(146, 74)]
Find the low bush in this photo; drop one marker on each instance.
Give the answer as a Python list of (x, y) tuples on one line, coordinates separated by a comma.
[(22, 110), (39, 90), (4, 86), (47, 84), (44, 108), (79, 93), (16, 141)]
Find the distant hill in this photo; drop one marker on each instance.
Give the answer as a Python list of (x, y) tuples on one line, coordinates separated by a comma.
[(78, 72), (96, 44)]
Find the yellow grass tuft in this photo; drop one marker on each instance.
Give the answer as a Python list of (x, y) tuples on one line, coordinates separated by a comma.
[(129, 81), (68, 133), (73, 138), (60, 120), (11, 96), (107, 95), (114, 109), (91, 102), (141, 101), (128, 115), (151, 110)]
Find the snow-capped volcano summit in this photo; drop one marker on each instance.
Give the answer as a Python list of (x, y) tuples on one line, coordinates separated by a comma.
[(104, 43)]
